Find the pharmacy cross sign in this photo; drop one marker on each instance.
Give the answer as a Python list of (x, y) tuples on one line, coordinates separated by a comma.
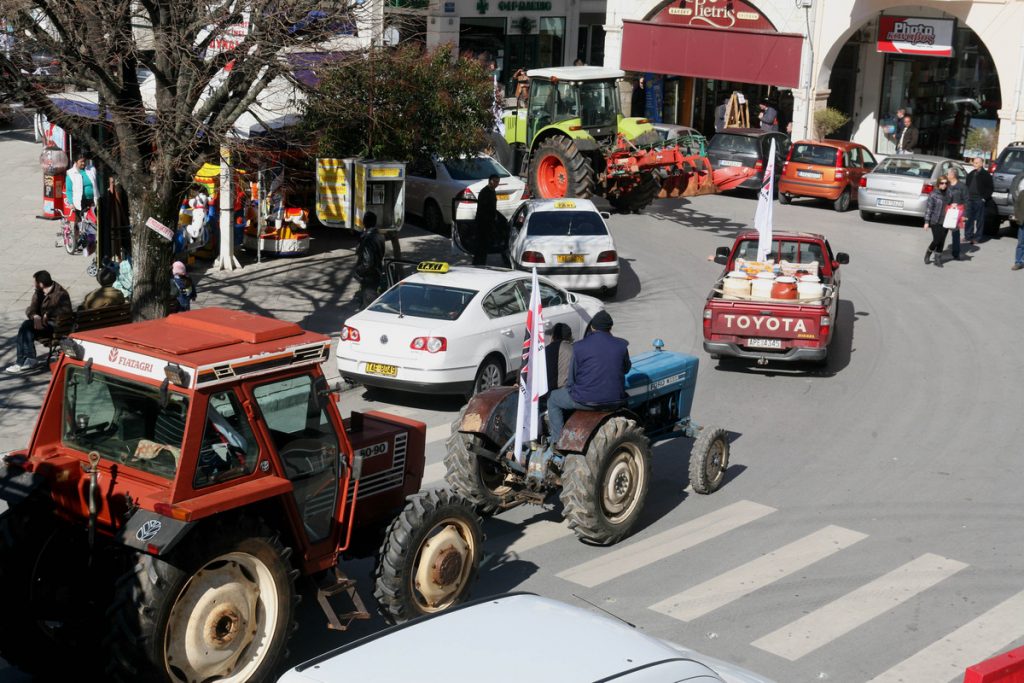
[(482, 6)]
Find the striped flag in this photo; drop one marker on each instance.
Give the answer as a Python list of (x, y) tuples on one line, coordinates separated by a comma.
[(533, 377), (763, 215)]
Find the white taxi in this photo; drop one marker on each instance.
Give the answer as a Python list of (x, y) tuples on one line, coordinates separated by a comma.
[(451, 329), (568, 241)]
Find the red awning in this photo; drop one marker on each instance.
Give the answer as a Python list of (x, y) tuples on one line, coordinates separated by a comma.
[(724, 55)]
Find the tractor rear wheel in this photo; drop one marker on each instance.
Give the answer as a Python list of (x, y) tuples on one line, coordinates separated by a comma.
[(429, 558), (709, 460), (559, 169), (639, 197), (479, 480), (604, 489), (220, 607)]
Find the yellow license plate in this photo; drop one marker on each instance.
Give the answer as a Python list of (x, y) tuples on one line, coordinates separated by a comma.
[(503, 197), (381, 369), (569, 258)]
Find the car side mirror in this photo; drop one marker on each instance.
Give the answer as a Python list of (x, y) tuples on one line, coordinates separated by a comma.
[(722, 255), (842, 258), (605, 215), (572, 298)]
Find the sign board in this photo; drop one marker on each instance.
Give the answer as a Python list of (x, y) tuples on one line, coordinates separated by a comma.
[(160, 229), (916, 36), (228, 37), (333, 195), (720, 14)]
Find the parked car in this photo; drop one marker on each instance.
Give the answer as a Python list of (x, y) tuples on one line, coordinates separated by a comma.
[(591, 647), (825, 169), (900, 185), (568, 241), (747, 147), (1007, 178), (432, 184), (454, 330)]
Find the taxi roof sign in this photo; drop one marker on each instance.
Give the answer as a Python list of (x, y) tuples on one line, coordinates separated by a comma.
[(432, 267), (564, 204)]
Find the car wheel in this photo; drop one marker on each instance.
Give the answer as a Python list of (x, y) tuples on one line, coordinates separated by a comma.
[(490, 374), (785, 198), (842, 203), (868, 216), (432, 217)]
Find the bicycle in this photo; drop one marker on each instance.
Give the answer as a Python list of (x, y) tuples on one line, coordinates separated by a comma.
[(76, 235)]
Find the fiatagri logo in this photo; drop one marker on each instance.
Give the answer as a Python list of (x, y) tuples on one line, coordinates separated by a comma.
[(917, 34), (115, 358)]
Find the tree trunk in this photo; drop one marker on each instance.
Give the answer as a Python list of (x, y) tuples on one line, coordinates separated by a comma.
[(151, 260)]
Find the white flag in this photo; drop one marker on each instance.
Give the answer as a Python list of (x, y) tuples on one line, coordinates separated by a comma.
[(763, 215), (533, 377)]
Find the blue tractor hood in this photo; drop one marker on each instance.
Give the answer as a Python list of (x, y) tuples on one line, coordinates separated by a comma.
[(657, 373)]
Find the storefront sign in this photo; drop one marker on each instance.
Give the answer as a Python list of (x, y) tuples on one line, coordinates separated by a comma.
[(482, 6), (722, 14), (916, 36)]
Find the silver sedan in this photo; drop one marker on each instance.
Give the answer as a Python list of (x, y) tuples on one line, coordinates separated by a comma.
[(901, 184)]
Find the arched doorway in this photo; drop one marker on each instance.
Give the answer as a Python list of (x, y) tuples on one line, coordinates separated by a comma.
[(953, 100)]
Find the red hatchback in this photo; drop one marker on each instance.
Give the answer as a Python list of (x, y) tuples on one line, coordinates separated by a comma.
[(825, 169)]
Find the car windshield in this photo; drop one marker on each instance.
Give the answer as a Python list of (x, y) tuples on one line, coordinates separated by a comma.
[(786, 250), (475, 168), (565, 223), (737, 144), (123, 421), (915, 168), (421, 300), (814, 154), (598, 103), (1012, 161)]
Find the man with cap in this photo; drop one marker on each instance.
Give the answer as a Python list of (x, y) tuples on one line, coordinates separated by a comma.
[(597, 375), (106, 295)]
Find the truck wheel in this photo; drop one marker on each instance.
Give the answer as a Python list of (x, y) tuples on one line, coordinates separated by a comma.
[(603, 490), (638, 198), (221, 607), (429, 558), (559, 169), (842, 202), (709, 459), (479, 480)]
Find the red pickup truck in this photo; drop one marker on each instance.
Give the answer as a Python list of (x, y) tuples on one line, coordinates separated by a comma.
[(775, 329)]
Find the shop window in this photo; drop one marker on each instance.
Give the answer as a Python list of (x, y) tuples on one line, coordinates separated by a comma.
[(551, 45)]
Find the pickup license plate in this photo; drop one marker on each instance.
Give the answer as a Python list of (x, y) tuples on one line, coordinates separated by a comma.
[(381, 369), (895, 203), (503, 197), (729, 162), (809, 174), (764, 343), (569, 258)]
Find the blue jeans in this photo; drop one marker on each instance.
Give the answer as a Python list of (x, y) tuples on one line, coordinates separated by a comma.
[(975, 227), (559, 401), (26, 342), (1019, 257)]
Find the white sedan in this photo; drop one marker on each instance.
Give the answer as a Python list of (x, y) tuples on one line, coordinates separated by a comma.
[(431, 185), (459, 330), (568, 241)]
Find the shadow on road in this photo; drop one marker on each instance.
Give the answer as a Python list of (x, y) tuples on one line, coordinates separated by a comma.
[(685, 215)]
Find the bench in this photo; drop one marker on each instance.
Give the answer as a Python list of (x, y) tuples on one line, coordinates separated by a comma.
[(79, 321)]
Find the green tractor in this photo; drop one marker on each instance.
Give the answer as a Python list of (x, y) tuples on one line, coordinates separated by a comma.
[(571, 140)]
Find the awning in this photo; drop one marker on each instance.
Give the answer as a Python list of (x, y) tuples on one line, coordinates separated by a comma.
[(724, 55)]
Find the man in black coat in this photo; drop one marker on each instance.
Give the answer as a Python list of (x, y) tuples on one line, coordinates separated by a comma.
[(369, 260), (906, 143), (486, 217), (979, 192)]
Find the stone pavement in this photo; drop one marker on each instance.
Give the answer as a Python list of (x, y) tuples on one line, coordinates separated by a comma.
[(315, 291)]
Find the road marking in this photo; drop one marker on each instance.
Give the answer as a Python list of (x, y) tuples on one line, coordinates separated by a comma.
[(745, 579), (536, 534), (610, 565), (857, 607), (973, 642), (433, 474)]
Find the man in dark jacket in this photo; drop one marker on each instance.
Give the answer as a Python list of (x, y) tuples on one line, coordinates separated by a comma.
[(979, 192), (50, 301), (906, 143), (558, 356), (597, 375), (486, 217), (106, 295), (369, 260)]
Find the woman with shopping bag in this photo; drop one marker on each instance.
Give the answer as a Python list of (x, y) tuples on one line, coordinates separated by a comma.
[(956, 212), (934, 216)]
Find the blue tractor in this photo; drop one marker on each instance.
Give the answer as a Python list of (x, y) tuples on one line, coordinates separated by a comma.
[(602, 462)]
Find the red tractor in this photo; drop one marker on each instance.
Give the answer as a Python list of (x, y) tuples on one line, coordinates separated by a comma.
[(186, 480)]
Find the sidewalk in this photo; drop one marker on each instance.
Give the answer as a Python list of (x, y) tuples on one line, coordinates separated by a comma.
[(315, 291)]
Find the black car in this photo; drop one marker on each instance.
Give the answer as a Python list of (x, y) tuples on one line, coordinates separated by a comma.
[(748, 147), (1007, 178)]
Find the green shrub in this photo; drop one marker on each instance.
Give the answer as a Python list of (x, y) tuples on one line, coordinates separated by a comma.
[(828, 121)]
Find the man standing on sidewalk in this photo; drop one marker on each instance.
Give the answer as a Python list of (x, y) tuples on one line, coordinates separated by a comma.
[(979, 191), (486, 215), (49, 302)]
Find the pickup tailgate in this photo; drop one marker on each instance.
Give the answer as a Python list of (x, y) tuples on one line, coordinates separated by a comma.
[(786, 323)]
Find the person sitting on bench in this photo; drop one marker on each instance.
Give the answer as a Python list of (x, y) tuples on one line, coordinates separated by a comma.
[(597, 375)]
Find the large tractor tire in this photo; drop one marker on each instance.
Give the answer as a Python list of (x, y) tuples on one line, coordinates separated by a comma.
[(709, 460), (219, 607), (558, 169), (638, 198), (604, 489), (478, 480), (429, 558)]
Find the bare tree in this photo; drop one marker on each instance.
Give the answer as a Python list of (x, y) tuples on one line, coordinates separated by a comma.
[(210, 60)]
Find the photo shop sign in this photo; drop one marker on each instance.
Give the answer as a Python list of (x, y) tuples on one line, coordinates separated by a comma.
[(916, 36)]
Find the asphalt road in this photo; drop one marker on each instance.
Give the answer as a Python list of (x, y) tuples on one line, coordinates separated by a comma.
[(870, 527)]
